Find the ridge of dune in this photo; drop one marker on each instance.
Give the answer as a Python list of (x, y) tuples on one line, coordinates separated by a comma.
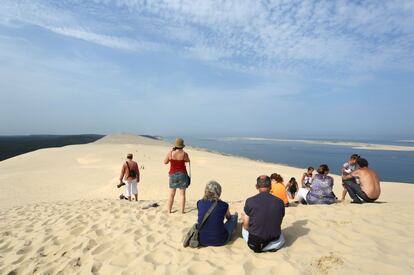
[(125, 138)]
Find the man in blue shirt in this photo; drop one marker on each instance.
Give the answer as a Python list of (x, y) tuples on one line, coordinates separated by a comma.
[(263, 219)]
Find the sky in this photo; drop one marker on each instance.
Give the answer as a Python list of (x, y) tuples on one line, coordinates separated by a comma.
[(342, 69)]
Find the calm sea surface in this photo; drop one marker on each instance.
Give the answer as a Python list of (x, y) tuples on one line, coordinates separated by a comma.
[(390, 165)]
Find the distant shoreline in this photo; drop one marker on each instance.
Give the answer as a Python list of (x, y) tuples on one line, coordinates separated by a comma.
[(354, 145), (297, 164), (12, 146), (15, 145)]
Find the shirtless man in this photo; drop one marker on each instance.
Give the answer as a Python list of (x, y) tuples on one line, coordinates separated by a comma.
[(130, 176), (369, 188)]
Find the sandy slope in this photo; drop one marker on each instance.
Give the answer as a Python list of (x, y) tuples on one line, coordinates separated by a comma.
[(59, 213)]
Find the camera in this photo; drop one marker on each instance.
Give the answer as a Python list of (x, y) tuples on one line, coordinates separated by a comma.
[(121, 183)]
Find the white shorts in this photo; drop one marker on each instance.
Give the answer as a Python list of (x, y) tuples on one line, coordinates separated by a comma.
[(302, 192), (131, 187)]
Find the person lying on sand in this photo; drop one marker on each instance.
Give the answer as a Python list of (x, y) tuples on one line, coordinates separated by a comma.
[(278, 188), (349, 167), (321, 189), (130, 177), (369, 188), (263, 217), (179, 178), (214, 232)]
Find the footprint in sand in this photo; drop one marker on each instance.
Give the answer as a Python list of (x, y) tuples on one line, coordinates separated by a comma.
[(101, 248), (99, 232), (24, 250), (154, 238), (204, 266), (159, 258), (19, 260), (77, 230), (91, 244), (324, 264)]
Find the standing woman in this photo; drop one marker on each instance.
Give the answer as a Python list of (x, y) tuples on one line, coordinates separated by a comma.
[(178, 172)]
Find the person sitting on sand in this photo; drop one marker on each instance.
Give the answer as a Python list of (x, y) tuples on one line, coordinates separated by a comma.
[(130, 177), (292, 188), (278, 188), (349, 167), (214, 232), (369, 188), (321, 189), (263, 217), (307, 178), (179, 178)]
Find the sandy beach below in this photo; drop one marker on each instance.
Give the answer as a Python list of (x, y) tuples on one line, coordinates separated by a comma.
[(59, 214)]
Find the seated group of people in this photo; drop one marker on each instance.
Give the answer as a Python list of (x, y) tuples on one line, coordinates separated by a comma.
[(264, 212), (361, 182)]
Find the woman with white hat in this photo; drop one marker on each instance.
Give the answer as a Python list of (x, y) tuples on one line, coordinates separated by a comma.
[(179, 178)]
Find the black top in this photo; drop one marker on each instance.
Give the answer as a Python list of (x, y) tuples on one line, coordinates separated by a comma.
[(266, 213), (292, 188)]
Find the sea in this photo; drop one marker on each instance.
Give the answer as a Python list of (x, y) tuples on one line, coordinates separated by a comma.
[(397, 166)]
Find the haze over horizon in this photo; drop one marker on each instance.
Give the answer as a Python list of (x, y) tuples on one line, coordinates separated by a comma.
[(208, 68)]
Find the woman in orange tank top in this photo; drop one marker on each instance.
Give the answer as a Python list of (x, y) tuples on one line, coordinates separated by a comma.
[(278, 188), (178, 175)]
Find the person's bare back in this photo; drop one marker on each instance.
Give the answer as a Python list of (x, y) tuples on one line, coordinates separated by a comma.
[(369, 182)]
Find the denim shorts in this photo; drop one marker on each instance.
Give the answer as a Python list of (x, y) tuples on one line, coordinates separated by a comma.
[(179, 180)]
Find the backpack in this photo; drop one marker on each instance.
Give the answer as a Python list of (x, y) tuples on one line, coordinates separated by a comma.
[(131, 173)]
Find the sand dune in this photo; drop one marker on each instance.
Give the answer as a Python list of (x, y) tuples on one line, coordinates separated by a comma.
[(59, 214)]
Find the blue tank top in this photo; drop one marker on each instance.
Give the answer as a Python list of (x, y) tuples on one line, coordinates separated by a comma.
[(213, 232)]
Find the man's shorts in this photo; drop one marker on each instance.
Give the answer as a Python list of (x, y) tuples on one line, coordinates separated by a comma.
[(131, 187)]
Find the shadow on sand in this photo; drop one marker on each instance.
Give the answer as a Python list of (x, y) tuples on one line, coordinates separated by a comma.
[(295, 231)]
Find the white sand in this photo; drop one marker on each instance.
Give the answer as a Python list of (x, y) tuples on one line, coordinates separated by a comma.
[(59, 213)]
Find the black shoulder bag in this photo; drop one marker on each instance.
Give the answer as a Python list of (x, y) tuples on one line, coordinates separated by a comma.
[(132, 174)]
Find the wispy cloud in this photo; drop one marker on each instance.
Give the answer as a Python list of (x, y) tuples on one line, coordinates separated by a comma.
[(344, 35), (106, 40), (341, 37)]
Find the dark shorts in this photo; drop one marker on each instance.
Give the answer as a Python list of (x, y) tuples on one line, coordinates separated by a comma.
[(179, 180), (355, 192)]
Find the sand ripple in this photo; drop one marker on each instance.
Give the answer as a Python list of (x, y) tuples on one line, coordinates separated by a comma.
[(106, 236)]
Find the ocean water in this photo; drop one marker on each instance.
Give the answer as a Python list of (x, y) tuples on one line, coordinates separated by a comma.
[(390, 165)]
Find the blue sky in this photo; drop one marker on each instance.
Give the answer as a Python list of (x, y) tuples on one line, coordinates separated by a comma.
[(208, 68)]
